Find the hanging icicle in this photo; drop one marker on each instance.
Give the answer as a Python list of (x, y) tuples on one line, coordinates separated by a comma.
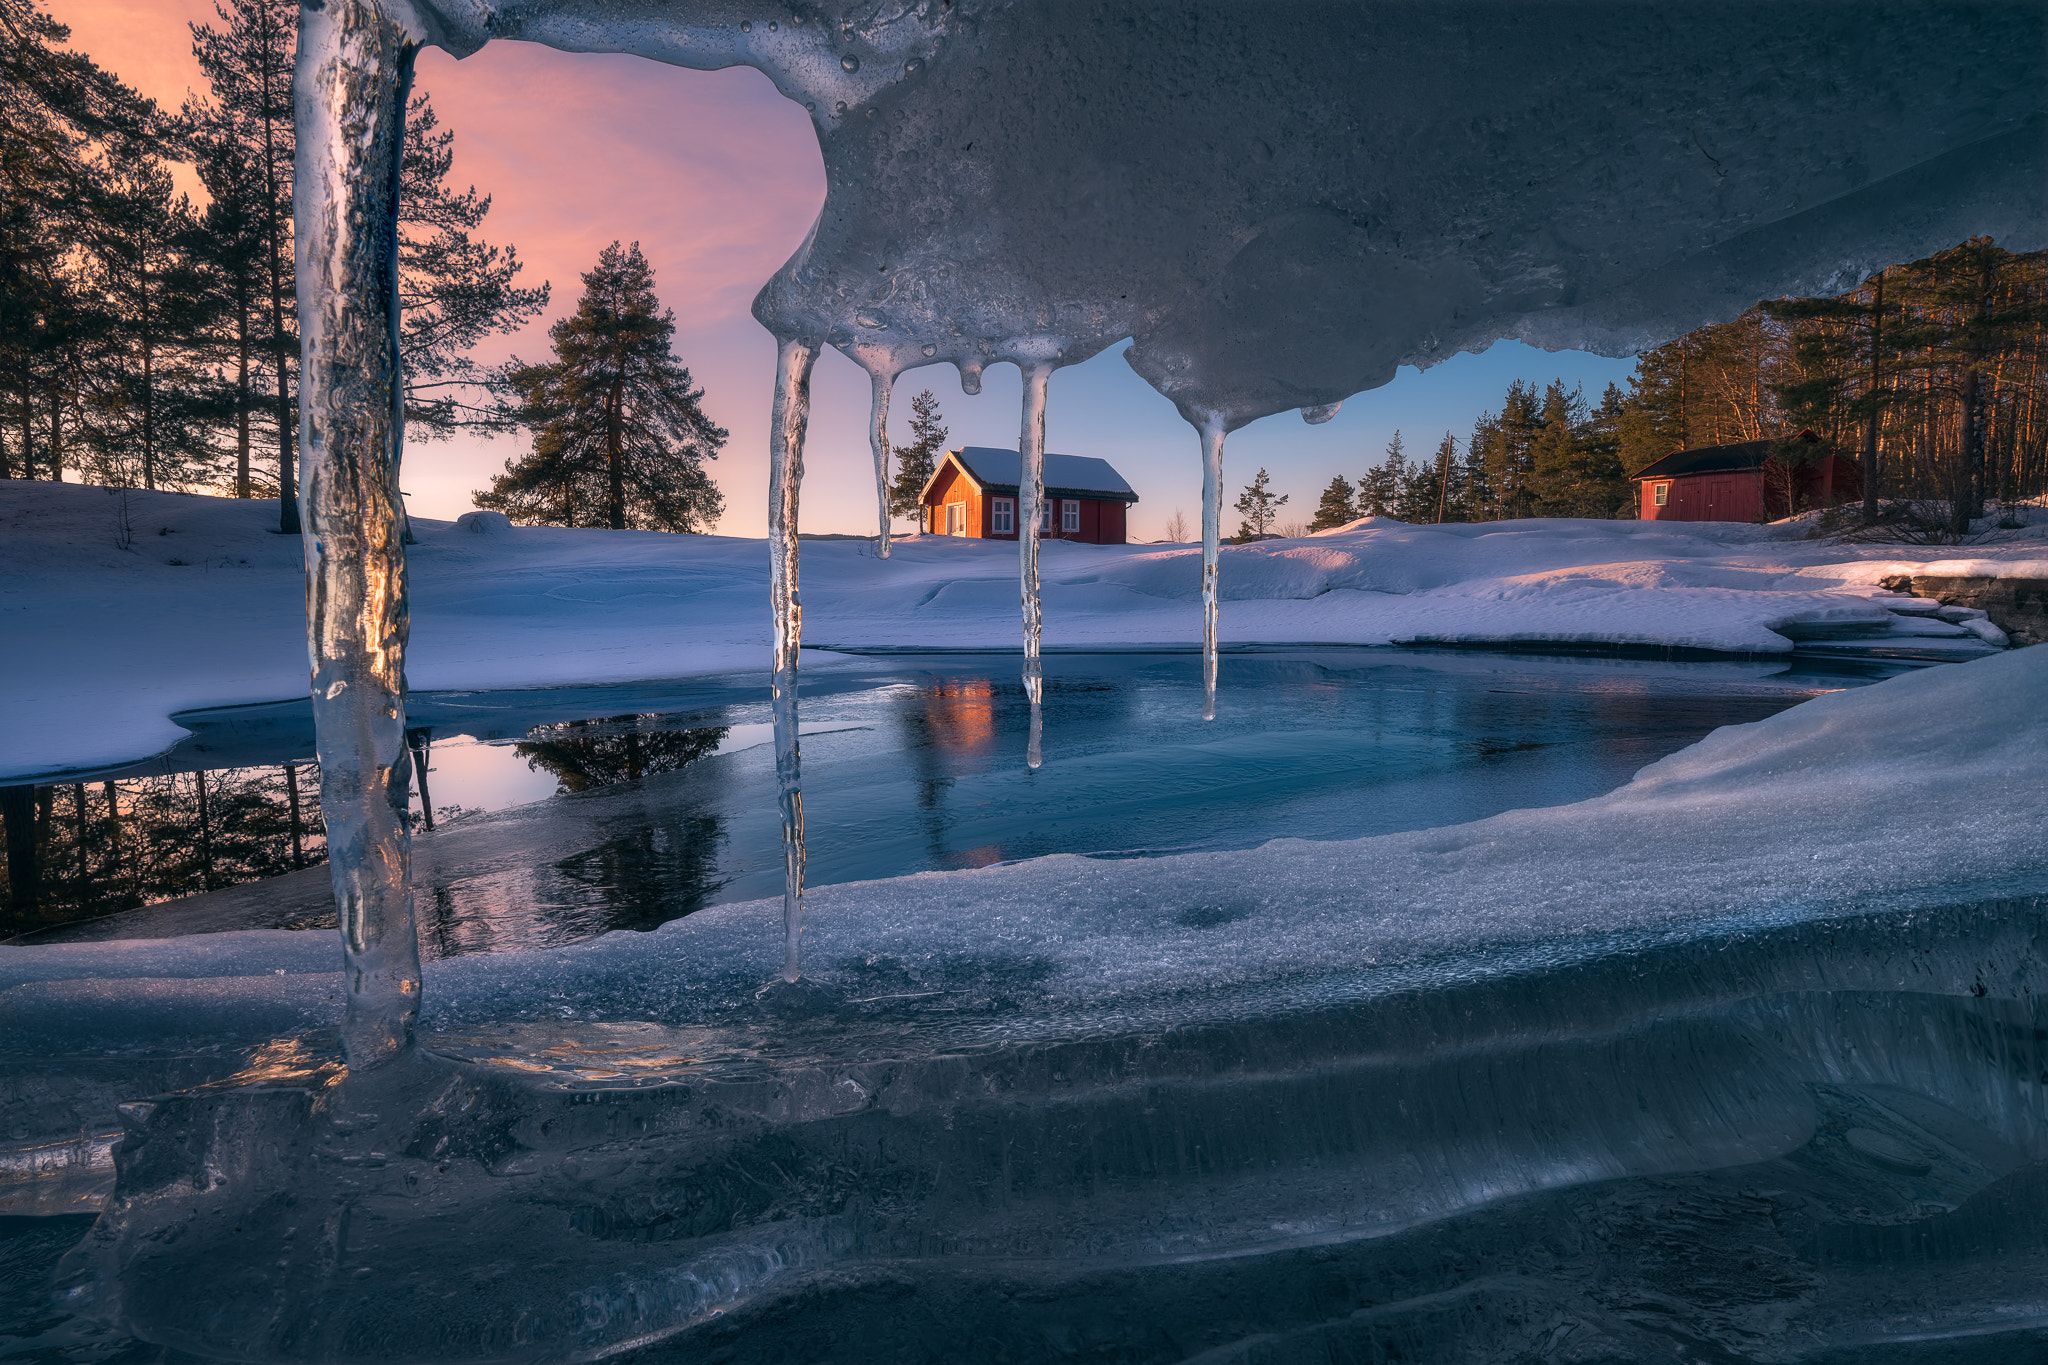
[(1212, 536), (878, 443), (354, 71), (790, 417), (1030, 498)]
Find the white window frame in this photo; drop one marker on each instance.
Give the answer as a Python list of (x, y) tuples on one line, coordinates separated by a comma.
[(1002, 516), (956, 518), (1045, 514), (1070, 516), (1660, 494)]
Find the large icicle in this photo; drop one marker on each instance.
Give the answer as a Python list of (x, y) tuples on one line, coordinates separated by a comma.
[(354, 70), (878, 443), (1031, 497), (787, 423), (1212, 432)]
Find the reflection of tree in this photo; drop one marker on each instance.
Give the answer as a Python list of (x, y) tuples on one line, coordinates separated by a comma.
[(76, 850), (584, 754), (657, 871), (646, 877)]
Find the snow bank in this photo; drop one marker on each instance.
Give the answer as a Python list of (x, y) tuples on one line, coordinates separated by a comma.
[(204, 606)]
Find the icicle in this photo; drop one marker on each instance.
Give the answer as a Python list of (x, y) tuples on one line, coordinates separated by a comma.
[(791, 414), (354, 71), (1030, 497), (878, 442), (1212, 534)]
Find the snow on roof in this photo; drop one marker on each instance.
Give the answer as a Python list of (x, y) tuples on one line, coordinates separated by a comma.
[(1070, 475), (1721, 459)]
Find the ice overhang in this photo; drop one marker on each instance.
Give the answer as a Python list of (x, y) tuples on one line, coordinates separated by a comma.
[(1280, 203)]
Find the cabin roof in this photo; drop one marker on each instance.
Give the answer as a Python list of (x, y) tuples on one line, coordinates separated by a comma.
[(1071, 476), (1735, 457)]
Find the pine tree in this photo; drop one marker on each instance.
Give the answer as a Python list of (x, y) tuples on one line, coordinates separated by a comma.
[(1445, 481), (1379, 492), (619, 437), (63, 121), (247, 61), (1479, 502), (1258, 505), (915, 462), (1338, 507), (143, 400), (456, 289), (1511, 452)]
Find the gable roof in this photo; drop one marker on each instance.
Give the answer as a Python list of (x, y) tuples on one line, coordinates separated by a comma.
[(1735, 457), (1071, 476)]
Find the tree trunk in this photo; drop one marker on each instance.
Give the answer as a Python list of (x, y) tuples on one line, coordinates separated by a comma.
[(78, 832), (1875, 417), (291, 789), (148, 347), (205, 835), (614, 453), (24, 875), (113, 833), (421, 743), (56, 445), (242, 394), (287, 435)]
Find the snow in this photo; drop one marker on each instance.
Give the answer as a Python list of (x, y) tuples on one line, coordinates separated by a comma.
[(104, 645)]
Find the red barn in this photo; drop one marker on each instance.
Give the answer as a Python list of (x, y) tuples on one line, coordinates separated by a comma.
[(1748, 481), (974, 492)]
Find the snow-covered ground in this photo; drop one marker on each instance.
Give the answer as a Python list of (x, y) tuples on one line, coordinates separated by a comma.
[(104, 636)]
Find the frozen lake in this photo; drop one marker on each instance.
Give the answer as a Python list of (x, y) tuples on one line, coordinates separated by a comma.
[(1495, 1092), (563, 814)]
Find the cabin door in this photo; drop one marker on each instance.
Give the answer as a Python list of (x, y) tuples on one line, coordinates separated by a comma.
[(956, 518)]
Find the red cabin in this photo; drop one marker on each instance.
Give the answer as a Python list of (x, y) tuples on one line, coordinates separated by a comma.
[(974, 492), (1748, 481)]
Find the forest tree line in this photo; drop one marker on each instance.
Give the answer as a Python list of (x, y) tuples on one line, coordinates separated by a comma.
[(148, 340), (1933, 375)]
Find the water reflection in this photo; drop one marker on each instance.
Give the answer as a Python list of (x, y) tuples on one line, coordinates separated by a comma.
[(670, 804), (82, 849)]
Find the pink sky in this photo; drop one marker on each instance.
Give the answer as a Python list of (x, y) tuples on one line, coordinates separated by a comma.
[(719, 178)]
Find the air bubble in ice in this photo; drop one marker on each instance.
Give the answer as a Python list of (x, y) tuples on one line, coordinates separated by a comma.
[(849, 63)]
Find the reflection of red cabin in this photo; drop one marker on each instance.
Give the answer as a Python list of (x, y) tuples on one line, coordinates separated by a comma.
[(1746, 481), (973, 492)]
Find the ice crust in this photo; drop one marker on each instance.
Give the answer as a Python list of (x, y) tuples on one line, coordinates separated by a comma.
[(1808, 1025), (1280, 203)]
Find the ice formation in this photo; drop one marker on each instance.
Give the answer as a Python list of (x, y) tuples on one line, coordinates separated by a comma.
[(1276, 204)]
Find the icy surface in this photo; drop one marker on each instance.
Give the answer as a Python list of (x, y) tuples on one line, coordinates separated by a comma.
[(1281, 203), (1149, 1089), (106, 645)]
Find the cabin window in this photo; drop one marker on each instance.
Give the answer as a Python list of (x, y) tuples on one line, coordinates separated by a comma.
[(1002, 515), (956, 518), (1070, 516), (1660, 493), (1045, 513)]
